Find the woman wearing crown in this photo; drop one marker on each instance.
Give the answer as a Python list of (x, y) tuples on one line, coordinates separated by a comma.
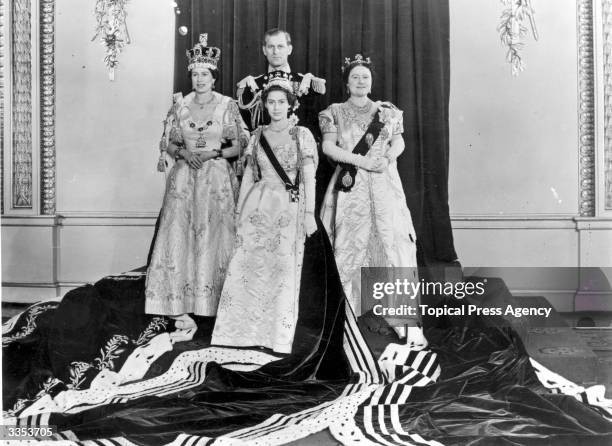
[(275, 215), (364, 210), (196, 228)]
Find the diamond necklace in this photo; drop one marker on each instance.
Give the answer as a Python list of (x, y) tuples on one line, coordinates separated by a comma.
[(360, 109), (202, 104)]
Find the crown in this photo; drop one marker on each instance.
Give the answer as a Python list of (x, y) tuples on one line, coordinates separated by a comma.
[(280, 78), (203, 55), (358, 60)]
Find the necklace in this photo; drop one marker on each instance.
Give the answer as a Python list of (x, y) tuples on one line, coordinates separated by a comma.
[(281, 130), (202, 104), (360, 109)]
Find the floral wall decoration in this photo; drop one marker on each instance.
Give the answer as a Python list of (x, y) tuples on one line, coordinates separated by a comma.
[(112, 31), (513, 30)]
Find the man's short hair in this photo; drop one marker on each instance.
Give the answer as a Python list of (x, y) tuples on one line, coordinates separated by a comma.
[(274, 32)]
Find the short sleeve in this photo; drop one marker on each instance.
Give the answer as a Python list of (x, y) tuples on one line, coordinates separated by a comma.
[(327, 122), (398, 125), (230, 119), (234, 127), (308, 146)]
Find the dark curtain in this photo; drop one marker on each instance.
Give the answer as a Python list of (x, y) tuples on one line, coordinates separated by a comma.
[(407, 41)]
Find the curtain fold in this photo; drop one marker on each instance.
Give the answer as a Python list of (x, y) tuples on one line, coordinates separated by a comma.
[(407, 41)]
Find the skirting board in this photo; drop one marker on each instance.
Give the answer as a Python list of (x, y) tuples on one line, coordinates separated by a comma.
[(24, 293)]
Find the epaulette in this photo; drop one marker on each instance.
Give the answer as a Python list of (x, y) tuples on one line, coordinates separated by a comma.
[(308, 80), (261, 81)]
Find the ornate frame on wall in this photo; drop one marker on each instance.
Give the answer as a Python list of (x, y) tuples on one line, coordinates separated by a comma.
[(586, 108), (595, 174), (28, 107), (606, 59), (47, 106)]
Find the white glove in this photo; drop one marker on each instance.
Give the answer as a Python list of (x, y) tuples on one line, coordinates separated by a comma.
[(344, 156), (310, 224), (248, 81), (395, 148)]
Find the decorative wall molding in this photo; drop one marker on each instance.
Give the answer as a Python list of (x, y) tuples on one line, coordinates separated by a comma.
[(142, 219), (28, 107), (514, 222), (586, 119), (47, 106), (22, 105), (594, 224), (607, 99), (3, 35)]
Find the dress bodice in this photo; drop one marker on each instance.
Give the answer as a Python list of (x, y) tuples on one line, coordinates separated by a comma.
[(350, 126), (289, 155), (202, 135)]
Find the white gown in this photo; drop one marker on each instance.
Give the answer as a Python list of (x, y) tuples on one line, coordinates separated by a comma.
[(196, 231), (370, 225), (260, 299)]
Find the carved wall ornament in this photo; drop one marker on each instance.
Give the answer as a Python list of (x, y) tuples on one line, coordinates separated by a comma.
[(607, 95), (47, 106), (513, 30), (2, 110), (21, 195), (586, 110), (112, 30)]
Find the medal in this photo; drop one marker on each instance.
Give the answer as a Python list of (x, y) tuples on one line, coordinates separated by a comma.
[(294, 195), (347, 179)]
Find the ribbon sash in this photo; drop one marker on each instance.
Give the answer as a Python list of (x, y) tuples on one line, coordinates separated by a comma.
[(346, 177), (292, 188)]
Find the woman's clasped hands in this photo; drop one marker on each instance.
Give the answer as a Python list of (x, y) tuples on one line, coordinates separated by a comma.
[(376, 164), (197, 160)]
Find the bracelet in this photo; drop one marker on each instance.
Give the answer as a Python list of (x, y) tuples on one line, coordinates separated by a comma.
[(219, 153), (177, 154)]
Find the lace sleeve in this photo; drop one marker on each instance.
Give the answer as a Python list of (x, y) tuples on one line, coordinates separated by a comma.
[(398, 126), (327, 122), (308, 147), (232, 121)]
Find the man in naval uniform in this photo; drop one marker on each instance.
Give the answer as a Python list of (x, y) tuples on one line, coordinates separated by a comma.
[(276, 46)]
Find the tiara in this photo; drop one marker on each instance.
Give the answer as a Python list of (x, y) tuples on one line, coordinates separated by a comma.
[(358, 60), (279, 78), (203, 55)]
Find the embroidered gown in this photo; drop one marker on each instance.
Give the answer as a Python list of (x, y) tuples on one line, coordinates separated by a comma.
[(370, 225), (196, 231), (259, 303)]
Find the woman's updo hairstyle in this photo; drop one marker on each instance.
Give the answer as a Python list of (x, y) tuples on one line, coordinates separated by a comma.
[(358, 61), (291, 97)]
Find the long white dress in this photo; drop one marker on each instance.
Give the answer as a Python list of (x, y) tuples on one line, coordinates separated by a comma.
[(260, 299), (196, 232), (370, 225)]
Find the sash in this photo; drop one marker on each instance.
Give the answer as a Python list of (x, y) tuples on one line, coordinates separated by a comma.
[(292, 188), (346, 178)]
